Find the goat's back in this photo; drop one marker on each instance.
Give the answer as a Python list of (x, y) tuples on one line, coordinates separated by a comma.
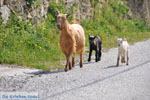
[(79, 36), (74, 22), (98, 40)]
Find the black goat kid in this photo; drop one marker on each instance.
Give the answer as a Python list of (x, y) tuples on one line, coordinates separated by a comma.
[(96, 45)]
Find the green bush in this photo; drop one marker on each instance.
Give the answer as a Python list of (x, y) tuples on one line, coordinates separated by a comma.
[(22, 44), (120, 8), (55, 7)]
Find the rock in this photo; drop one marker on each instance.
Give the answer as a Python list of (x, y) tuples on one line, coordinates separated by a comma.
[(1, 3), (85, 10), (5, 13), (37, 14), (38, 10), (140, 8), (29, 16)]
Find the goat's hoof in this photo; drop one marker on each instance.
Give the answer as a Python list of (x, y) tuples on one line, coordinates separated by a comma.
[(117, 65), (70, 68), (81, 66), (66, 69), (89, 60), (127, 64), (72, 65)]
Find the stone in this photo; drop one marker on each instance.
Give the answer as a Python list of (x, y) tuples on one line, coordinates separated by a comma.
[(20, 7), (5, 13), (1, 3)]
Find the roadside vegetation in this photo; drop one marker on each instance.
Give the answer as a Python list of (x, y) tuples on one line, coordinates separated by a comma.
[(22, 43)]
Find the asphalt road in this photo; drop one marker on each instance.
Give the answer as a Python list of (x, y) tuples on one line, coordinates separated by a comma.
[(95, 81)]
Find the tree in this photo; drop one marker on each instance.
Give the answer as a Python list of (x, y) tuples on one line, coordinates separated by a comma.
[(147, 12)]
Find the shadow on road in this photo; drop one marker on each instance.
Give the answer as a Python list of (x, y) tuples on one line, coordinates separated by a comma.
[(44, 72), (85, 63), (96, 81), (53, 72), (113, 66)]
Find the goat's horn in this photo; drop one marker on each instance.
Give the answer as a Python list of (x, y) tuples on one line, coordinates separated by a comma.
[(67, 15)]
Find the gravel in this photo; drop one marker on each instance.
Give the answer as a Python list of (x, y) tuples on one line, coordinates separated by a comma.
[(95, 81)]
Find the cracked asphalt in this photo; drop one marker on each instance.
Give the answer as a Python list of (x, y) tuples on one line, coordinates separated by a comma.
[(95, 81)]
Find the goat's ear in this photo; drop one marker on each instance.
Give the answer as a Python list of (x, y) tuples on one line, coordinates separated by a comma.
[(124, 39), (67, 15), (95, 36), (118, 39)]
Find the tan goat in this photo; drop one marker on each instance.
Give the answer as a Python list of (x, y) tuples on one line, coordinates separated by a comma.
[(72, 40)]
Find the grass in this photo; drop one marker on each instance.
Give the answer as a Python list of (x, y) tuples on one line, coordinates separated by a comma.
[(131, 37), (21, 44), (37, 46)]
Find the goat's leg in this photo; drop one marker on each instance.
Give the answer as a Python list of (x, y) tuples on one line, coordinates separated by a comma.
[(67, 64), (118, 60), (127, 59), (70, 65), (81, 65), (96, 56), (73, 58), (90, 53), (99, 54), (123, 59)]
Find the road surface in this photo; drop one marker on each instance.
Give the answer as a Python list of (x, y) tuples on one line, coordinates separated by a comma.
[(95, 81)]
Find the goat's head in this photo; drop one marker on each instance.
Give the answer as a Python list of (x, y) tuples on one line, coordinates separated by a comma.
[(61, 18), (119, 41), (91, 39)]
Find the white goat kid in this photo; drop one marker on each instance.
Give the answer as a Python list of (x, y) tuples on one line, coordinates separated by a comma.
[(123, 51)]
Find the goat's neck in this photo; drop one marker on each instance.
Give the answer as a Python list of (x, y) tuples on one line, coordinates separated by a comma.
[(65, 30)]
